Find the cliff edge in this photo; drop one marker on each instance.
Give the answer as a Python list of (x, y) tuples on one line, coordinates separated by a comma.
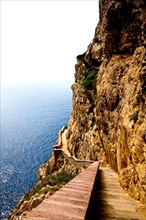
[(108, 118)]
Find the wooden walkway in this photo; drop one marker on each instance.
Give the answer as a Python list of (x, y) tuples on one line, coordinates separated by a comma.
[(111, 202), (61, 148), (95, 194), (84, 197), (71, 201)]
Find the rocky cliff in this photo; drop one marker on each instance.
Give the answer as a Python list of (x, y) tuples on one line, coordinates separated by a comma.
[(108, 118)]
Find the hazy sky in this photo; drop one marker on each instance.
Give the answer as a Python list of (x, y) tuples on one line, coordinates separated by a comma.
[(41, 39)]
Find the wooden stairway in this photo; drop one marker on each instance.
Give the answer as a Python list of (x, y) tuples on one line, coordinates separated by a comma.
[(111, 202), (71, 201), (85, 197)]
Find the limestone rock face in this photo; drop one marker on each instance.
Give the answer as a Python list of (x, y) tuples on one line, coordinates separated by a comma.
[(108, 118)]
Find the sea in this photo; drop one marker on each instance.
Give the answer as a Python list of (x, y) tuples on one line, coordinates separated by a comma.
[(31, 116)]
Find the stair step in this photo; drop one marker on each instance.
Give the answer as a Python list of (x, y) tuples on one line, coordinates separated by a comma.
[(71, 201)]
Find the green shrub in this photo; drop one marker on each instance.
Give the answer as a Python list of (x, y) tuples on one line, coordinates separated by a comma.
[(54, 182), (36, 189), (48, 170), (90, 80), (62, 177)]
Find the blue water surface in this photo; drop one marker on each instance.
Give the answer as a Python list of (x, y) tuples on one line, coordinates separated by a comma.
[(31, 116)]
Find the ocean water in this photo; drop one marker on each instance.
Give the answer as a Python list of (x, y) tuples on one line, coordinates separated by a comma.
[(31, 116)]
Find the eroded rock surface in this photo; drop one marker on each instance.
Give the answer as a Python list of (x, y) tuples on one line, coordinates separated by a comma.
[(108, 118)]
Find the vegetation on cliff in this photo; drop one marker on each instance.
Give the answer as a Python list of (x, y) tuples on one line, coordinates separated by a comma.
[(108, 118), (90, 80), (50, 184), (51, 177)]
